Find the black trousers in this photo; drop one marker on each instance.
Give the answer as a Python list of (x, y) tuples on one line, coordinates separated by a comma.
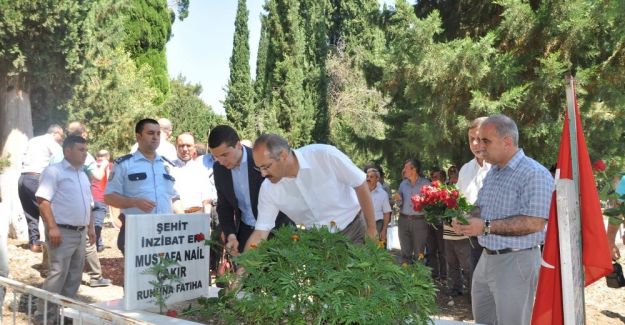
[(243, 235), (27, 187)]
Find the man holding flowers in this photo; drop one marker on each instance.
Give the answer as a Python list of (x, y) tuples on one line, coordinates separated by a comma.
[(413, 229), (510, 217)]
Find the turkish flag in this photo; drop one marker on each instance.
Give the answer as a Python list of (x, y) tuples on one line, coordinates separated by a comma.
[(595, 251)]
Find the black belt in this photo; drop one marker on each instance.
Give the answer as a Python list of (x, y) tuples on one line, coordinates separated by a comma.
[(70, 227), (413, 217), (507, 250), (31, 174)]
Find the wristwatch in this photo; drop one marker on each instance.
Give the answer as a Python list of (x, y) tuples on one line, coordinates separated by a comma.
[(486, 227)]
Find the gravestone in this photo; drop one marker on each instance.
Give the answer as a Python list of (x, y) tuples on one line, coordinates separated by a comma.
[(174, 236)]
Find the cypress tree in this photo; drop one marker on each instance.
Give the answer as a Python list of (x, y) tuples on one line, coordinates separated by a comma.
[(148, 29), (239, 99), (260, 82), (288, 108)]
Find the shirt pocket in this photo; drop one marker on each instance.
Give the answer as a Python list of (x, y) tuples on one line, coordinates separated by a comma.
[(137, 177), (169, 177)]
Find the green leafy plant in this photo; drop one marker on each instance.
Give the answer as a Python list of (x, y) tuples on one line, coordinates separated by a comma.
[(5, 162), (604, 177), (319, 277), (164, 280)]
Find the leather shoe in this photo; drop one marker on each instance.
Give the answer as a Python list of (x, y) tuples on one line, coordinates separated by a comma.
[(35, 248), (101, 282)]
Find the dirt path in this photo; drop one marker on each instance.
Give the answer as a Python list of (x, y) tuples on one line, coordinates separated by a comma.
[(604, 305)]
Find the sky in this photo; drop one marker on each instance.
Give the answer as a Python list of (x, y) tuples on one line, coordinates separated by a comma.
[(201, 45)]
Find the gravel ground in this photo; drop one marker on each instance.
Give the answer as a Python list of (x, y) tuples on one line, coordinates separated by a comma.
[(603, 305)]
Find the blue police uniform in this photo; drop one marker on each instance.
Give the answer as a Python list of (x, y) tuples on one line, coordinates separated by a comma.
[(135, 176)]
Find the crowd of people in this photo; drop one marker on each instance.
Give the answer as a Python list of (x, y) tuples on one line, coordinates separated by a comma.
[(250, 188)]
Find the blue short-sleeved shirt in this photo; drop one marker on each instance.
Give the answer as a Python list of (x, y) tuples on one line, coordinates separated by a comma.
[(620, 187), (407, 191), (138, 177), (522, 187)]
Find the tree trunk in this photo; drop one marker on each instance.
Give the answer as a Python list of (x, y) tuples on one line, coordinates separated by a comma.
[(16, 127)]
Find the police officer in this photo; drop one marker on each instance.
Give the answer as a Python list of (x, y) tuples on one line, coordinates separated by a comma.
[(141, 182)]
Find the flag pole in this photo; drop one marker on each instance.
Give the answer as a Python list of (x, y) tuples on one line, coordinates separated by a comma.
[(569, 225)]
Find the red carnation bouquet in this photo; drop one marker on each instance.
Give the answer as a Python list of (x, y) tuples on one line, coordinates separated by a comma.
[(441, 203)]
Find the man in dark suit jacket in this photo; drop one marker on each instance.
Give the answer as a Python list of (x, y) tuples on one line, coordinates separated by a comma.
[(237, 181)]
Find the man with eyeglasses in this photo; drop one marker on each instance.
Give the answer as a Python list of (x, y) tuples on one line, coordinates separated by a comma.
[(316, 185), (237, 183)]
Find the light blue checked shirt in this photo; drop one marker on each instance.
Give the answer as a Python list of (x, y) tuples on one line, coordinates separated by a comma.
[(522, 187)]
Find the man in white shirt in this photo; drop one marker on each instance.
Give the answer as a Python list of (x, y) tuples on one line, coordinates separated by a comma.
[(41, 151), (65, 200), (381, 204), (470, 179), (194, 182), (315, 186)]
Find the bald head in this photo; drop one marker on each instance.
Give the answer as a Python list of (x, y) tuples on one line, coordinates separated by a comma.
[(166, 126), (77, 128), (185, 146)]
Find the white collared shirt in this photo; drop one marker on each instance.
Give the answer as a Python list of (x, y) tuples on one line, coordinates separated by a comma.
[(321, 193), (380, 202), (41, 151), (69, 191), (194, 183), (470, 179)]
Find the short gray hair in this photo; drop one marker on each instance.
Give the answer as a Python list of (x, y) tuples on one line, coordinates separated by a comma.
[(274, 143), (375, 171), (477, 122), (505, 126), (53, 128)]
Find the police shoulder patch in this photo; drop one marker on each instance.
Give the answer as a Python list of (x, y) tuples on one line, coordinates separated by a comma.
[(123, 158)]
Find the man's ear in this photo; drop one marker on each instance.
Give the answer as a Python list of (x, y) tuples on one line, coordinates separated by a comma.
[(508, 141)]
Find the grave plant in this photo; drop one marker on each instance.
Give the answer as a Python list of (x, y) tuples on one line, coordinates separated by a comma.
[(318, 276)]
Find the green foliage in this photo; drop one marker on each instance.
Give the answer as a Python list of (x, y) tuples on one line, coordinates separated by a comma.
[(445, 69), (111, 98), (112, 94), (148, 28), (40, 49), (5, 162), (239, 98), (356, 110), (163, 280), (187, 112), (319, 277), (287, 108)]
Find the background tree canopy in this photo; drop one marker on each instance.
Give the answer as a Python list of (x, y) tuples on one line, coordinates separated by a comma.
[(386, 84), (381, 83)]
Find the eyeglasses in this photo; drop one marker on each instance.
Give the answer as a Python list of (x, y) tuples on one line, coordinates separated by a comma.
[(263, 168)]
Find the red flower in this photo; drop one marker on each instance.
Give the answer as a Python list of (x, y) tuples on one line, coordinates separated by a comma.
[(199, 237), (417, 203), (455, 194), (599, 165), (172, 313), (436, 184)]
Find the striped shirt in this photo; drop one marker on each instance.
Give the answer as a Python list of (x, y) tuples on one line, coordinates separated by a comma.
[(523, 187)]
